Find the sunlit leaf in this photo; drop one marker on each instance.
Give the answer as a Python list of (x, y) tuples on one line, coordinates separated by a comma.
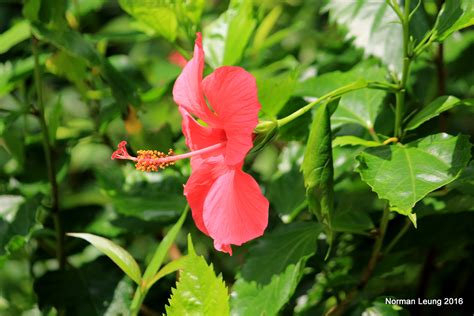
[(354, 141), (226, 38), (199, 291), (374, 26), (404, 174), (455, 15), (117, 254), (16, 34), (433, 109)]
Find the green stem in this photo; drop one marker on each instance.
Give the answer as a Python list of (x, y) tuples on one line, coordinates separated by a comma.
[(357, 85), (50, 166), (407, 56), (398, 236)]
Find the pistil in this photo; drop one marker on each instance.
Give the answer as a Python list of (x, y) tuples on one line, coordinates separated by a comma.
[(152, 160)]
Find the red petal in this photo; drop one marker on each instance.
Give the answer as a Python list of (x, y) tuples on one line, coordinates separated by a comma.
[(199, 184), (187, 90), (235, 211), (232, 94)]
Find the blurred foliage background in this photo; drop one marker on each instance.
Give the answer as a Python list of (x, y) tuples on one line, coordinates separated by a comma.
[(105, 71)]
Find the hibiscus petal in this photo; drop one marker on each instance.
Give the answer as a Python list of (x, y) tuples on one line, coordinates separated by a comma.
[(232, 94), (187, 90), (199, 183), (235, 211)]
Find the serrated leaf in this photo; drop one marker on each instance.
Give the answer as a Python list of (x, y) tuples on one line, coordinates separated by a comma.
[(438, 106), (354, 141), (14, 35), (251, 299), (374, 26), (225, 39), (404, 174), (117, 254), (280, 249), (199, 291), (317, 166), (455, 15)]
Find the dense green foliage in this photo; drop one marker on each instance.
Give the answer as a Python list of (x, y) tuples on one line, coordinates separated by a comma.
[(363, 151)]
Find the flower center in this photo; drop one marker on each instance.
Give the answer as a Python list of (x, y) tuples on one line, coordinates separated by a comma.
[(152, 160)]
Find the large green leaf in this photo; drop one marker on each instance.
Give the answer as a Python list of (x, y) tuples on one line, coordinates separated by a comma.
[(199, 291), (433, 109), (85, 291), (455, 15), (226, 37), (317, 166), (17, 221), (120, 256), (280, 249), (404, 174), (166, 17), (16, 34), (374, 26), (251, 299)]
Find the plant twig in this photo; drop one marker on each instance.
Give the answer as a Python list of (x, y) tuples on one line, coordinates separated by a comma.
[(50, 165)]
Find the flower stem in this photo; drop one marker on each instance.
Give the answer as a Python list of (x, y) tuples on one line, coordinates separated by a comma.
[(407, 57), (357, 85), (50, 165)]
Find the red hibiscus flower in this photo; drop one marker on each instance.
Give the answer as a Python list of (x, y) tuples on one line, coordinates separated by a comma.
[(226, 202)]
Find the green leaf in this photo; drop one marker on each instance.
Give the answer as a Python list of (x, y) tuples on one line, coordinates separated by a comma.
[(354, 141), (199, 291), (167, 18), (121, 300), (226, 38), (17, 222), (374, 26), (14, 35), (117, 254), (433, 109), (317, 166), (85, 291), (74, 44), (404, 174), (358, 107), (275, 91), (455, 15), (163, 248), (161, 19), (261, 34), (252, 299), (279, 249)]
